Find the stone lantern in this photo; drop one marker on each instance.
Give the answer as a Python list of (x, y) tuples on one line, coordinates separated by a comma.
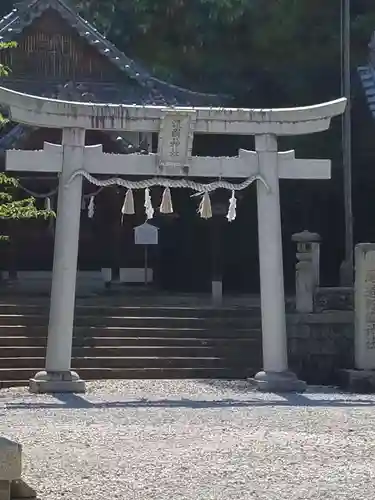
[(307, 269)]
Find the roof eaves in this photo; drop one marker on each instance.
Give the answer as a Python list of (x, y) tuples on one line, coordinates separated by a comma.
[(367, 76), (213, 98)]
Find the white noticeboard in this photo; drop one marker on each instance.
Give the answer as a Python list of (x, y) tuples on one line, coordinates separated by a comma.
[(146, 234)]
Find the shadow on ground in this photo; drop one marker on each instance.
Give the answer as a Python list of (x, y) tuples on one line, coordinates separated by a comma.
[(75, 401)]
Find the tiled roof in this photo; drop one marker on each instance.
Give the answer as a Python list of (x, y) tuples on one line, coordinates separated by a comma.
[(68, 92), (367, 76), (157, 91), (117, 93), (13, 137)]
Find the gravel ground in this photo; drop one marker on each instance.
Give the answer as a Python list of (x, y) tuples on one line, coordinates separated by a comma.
[(193, 440)]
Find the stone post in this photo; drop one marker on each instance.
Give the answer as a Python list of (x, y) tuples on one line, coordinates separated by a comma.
[(11, 485), (362, 378), (107, 276), (58, 376), (307, 269), (10, 466), (218, 211), (275, 376)]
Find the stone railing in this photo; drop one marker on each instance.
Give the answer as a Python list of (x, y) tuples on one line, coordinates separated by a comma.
[(333, 299)]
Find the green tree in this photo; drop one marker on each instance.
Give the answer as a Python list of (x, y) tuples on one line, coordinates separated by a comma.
[(11, 207), (283, 51)]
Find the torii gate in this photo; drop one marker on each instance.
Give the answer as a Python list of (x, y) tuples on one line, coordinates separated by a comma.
[(176, 128)]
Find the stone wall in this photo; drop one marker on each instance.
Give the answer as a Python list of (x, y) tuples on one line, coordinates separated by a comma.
[(334, 299), (320, 345)]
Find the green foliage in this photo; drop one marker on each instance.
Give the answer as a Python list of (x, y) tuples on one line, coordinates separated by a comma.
[(12, 209), (4, 70), (287, 51), (17, 209)]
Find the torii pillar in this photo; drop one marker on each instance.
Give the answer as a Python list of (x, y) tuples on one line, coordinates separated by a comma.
[(176, 128)]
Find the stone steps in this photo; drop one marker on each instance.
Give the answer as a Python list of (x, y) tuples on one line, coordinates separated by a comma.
[(15, 341), (135, 342), (82, 332), (135, 362), (202, 351), (106, 309), (134, 321), (20, 377)]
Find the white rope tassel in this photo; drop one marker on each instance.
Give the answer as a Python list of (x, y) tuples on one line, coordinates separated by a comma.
[(47, 204), (128, 206), (205, 209), (231, 215), (148, 205), (91, 208), (166, 206)]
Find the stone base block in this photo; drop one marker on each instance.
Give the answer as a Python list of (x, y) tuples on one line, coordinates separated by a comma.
[(4, 490), (19, 490), (10, 460), (16, 490), (52, 382), (278, 382), (217, 293), (10, 471), (358, 381)]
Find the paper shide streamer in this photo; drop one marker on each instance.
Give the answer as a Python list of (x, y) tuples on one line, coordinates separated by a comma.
[(128, 205), (91, 207)]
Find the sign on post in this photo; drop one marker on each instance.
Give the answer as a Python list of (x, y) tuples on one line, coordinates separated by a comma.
[(176, 137), (146, 234)]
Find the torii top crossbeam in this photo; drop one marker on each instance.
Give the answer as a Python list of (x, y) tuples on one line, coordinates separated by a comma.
[(52, 113)]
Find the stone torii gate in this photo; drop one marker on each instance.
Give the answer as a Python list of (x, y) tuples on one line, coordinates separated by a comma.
[(176, 128)]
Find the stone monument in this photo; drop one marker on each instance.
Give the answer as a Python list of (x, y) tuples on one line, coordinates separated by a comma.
[(362, 379), (365, 306)]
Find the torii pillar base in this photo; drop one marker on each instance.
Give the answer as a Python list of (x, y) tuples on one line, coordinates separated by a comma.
[(54, 382), (278, 382)]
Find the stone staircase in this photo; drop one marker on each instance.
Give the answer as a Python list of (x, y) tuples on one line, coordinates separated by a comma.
[(116, 342)]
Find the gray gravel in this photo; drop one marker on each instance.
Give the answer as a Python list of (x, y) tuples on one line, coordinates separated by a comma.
[(193, 440)]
